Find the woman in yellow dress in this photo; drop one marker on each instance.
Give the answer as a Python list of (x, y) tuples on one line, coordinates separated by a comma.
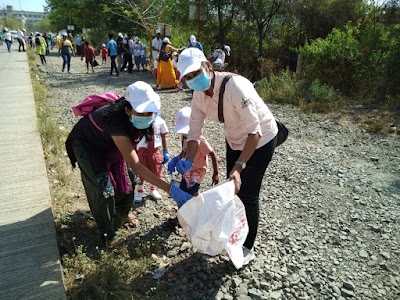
[(41, 46), (166, 77)]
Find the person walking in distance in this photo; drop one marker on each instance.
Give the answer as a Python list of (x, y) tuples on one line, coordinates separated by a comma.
[(41, 48), (104, 54), (8, 39), (67, 50), (89, 55), (127, 49), (112, 50)]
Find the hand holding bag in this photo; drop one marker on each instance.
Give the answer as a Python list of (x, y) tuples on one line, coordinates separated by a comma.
[(95, 63)]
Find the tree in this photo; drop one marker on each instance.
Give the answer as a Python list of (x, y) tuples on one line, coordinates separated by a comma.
[(43, 25), (262, 12)]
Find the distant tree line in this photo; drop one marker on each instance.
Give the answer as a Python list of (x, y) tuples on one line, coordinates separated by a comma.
[(350, 46)]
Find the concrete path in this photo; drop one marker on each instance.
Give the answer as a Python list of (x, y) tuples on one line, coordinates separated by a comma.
[(29, 257)]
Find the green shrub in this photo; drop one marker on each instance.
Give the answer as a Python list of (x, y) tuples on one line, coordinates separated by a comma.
[(281, 88), (320, 98)]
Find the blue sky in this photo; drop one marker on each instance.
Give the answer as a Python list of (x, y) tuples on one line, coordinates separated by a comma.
[(27, 5)]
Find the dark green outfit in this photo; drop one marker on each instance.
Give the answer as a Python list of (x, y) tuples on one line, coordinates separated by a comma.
[(103, 170)]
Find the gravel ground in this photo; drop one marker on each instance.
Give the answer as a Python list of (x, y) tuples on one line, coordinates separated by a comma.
[(330, 206)]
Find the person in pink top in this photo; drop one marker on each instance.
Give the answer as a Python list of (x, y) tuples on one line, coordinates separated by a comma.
[(194, 176), (250, 131)]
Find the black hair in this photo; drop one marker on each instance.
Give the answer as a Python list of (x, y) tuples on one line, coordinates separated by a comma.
[(87, 43), (110, 35)]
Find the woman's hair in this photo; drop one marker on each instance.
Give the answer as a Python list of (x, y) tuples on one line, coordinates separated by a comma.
[(87, 43), (118, 107)]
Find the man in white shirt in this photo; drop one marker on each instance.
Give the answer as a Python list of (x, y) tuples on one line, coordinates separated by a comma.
[(156, 46), (21, 40), (78, 44)]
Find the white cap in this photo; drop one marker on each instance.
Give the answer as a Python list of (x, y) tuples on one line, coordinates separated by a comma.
[(190, 60), (65, 34), (136, 39), (142, 97), (182, 120), (5, 29), (227, 49), (166, 40), (158, 30), (120, 35), (103, 45), (192, 39)]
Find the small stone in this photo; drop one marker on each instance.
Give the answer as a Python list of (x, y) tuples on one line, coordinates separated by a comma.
[(385, 254), (275, 295), (347, 293), (348, 285), (363, 254)]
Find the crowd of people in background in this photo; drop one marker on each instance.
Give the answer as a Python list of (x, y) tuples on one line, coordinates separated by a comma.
[(127, 53)]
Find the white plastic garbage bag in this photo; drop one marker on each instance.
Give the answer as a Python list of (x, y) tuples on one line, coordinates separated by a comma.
[(215, 222)]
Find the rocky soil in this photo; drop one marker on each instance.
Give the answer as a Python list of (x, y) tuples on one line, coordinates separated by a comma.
[(330, 206)]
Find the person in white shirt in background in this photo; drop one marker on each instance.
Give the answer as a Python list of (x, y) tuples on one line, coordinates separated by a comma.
[(137, 51), (143, 57), (217, 58), (155, 48), (8, 39), (21, 40), (78, 44), (250, 131)]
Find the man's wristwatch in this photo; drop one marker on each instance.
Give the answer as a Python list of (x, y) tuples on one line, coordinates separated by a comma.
[(242, 164)]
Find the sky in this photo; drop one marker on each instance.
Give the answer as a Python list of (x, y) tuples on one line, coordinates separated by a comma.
[(27, 5)]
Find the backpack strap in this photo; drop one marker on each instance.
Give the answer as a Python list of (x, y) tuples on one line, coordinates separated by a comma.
[(221, 98)]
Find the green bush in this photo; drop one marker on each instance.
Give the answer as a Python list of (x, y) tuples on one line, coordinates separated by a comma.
[(334, 61), (281, 88)]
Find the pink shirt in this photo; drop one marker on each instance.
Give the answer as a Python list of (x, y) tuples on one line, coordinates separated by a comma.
[(244, 112), (198, 170)]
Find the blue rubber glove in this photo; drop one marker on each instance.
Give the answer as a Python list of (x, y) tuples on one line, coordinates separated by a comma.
[(179, 196), (183, 165), (172, 164), (167, 156)]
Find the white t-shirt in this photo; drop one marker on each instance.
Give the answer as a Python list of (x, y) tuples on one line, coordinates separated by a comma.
[(143, 51), (20, 34), (137, 48), (156, 43), (7, 36), (160, 127)]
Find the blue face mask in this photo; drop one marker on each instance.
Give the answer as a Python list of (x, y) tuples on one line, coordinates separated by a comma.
[(142, 122), (199, 83)]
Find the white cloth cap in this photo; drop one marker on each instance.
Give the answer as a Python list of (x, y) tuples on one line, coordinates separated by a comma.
[(142, 97), (190, 60), (192, 39), (158, 30), (135, 39), (120, 35), (166, 40), (227, 49), (182, 120)]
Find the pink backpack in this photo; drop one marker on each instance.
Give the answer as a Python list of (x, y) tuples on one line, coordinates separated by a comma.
[(92, 102)]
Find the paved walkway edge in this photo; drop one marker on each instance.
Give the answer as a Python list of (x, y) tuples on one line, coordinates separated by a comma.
[(29, 256)]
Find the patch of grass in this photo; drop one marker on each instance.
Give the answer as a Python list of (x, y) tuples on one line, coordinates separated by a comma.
[(282, 88)]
